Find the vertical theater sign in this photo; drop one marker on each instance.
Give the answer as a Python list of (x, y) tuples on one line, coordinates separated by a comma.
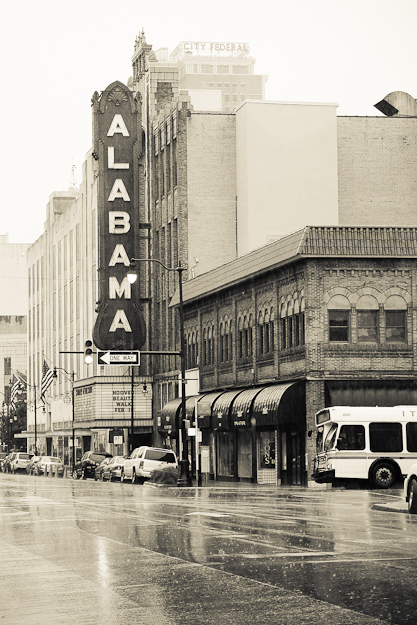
[(117, 137)]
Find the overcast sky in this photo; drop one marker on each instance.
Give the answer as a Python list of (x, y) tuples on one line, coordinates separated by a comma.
[(55, 54)]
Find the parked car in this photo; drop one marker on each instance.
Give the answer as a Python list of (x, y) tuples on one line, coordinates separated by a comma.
[(143, 460), (31, 464), (410, 489), (99, 470), (87, 465), (3, 455), (46, 463), (7, 462), (20, 461), (113, 470)]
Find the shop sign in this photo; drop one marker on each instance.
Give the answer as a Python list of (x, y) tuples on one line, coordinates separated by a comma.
[(117, 146)]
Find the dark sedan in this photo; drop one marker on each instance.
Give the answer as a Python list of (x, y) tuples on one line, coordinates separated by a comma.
[(98, 473), (87, 465)]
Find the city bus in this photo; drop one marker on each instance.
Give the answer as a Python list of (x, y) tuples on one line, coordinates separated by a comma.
[(365, 443)]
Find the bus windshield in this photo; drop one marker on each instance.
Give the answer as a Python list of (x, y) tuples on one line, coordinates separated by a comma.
[(331, 437), (319, 440)]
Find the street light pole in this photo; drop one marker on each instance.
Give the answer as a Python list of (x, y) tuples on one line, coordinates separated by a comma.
[(55, 375), (184, 478), (131, 410)]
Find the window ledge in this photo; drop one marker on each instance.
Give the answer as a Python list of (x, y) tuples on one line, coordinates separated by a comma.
[(367, 347)]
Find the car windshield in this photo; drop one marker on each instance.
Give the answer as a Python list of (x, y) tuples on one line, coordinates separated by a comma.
[(97, 457), (159, 454), (24, 456), (52, 459)]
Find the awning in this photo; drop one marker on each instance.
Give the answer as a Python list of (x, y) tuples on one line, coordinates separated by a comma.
[(43, 434), (204, 408), (190, 406), (168, 417), (282, 404), (221, 409), (240, 412)]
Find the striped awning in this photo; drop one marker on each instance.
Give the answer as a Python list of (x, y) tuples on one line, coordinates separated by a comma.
[(221, 409), (280, 404), (204, 409), (241, 409)]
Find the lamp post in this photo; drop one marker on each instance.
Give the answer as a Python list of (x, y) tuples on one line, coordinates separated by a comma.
[(55, 374), (9, 422), (184, 478)]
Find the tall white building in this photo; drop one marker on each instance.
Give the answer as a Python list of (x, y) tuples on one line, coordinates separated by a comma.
[(13, 323)]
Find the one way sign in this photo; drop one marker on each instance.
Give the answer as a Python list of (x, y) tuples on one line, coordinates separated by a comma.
[(118, 358)]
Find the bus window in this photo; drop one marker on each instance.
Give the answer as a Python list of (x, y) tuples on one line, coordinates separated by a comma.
[(385, 437), (319, 440), (351, 437), (411, 429), (330, 438)]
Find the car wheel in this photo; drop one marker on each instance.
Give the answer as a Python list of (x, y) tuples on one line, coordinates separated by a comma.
[(75, 474), (133, 476), (383, 475), (412, 496)]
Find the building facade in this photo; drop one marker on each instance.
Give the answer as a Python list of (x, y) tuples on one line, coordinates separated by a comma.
[(323, 317), (13, 335)]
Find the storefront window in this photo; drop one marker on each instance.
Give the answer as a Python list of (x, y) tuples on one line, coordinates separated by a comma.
[(267, 450)]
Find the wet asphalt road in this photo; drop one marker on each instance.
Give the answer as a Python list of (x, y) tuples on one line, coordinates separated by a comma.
[(95, 553)]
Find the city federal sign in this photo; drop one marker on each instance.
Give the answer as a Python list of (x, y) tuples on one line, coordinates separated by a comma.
[(117, 137)]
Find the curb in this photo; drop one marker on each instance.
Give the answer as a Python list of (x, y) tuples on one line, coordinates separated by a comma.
[(381, 507)]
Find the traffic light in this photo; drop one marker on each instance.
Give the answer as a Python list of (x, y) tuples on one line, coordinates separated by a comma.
[(88, 352)]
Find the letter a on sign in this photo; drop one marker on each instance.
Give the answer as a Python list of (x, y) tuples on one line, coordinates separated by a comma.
[(118, 125), (120, 321), (119, 190)]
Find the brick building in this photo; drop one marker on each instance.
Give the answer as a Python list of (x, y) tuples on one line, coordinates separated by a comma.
[(325, 316)]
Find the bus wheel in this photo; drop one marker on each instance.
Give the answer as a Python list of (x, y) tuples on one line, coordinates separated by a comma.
[(412, 496), (383, 475)]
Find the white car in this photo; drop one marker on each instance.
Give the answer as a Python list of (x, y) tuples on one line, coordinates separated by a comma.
[(20, 461), (410, 489), (143, 460)]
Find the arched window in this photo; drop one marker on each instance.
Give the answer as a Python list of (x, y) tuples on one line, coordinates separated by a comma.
[(204, 347), (193, 358), (339, 319), (222, 355), (395, 319), (266, 331), (261, 332), (367, 308), (271, 330), (290, 326), (209, 347), (249, 350), (283, 326), (225, 340)]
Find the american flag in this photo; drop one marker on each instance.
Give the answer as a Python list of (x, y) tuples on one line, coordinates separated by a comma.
[(18, 386), (47, 379)]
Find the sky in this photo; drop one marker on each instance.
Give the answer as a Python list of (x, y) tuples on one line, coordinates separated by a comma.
[(55, 54)]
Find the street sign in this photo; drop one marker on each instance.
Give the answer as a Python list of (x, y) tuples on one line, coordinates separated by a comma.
[(118, 358)]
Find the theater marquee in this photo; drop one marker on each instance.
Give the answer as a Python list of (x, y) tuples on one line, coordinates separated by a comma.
[(117, 136)]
